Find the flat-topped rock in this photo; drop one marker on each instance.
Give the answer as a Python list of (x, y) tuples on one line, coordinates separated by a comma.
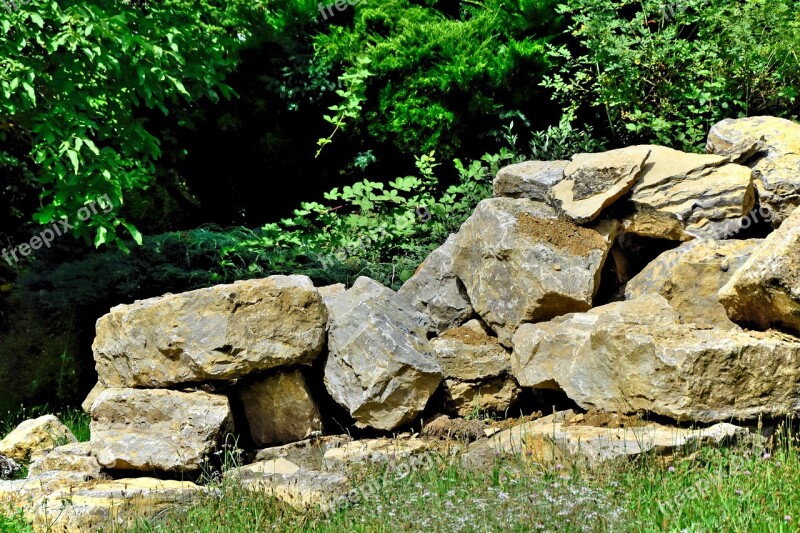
[(221, 332)]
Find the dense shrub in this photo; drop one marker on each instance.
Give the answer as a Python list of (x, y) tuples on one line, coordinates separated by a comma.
[(442, 78), (642, 76)]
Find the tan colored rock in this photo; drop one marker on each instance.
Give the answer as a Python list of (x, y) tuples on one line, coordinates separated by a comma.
[(493, 395), (157, 430), (272, 466), (92, 396), (108, 505), (35, 434), (279, 409), (302, 489), (307, 454), (75, 457), (435, 291), (222, 332), (476, 370), (691, 275), (380, 450), (549, 442), (770, 146), (765, 291), (329, 292), (380, 366), (519, 263), (592, 182), (635, 356), (530, 179), (680, 196)]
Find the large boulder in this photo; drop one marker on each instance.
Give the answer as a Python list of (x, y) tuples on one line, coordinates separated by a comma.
[(680, 196), (157, 430), (770, 146), (765, 291), (279, 408), (33, 435), (520, 263), (592, 182), (531, 179), (637, 356), (691, 275), (380, 365), (476, 370), (221, 332), (435, 290)]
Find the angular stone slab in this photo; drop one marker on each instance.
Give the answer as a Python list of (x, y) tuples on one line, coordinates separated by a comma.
[(221, 332), (435, 291), (765, 291), (279, 409), (550, 441), (33, 435), (380, 365), (770, 146), (592, 182), (476, 370), (519, 263), (157, 430), (681, 196), (691, 275), (530, 179), (636, 355)]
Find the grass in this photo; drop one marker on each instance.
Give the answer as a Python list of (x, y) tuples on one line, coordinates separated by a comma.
[(729, 489)]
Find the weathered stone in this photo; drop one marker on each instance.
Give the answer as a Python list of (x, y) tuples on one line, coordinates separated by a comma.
[(109, 505), (636, 355), (765, 291), (75, 457), (770, 146), (35, 434), (373, 451), (92, 396), (279, 409), (521, 264), (221, 332), (380, 366), (307, 454), (135, 429), (302, 489), (435, 291), (329, 292), (691, 275), (531, 179), (476, 370), (549, 441), (272, 466), (493, 395), (680, 196), (592, 182)]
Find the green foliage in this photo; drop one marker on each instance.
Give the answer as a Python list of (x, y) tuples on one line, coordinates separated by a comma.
[(370, 228), (75, 77), (438, 76), (668, 79), (562, 142)]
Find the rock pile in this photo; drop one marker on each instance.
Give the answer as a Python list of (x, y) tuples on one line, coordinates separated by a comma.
[(615, 279)]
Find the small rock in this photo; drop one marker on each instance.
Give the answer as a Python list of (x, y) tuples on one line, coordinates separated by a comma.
[(35, 434)]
